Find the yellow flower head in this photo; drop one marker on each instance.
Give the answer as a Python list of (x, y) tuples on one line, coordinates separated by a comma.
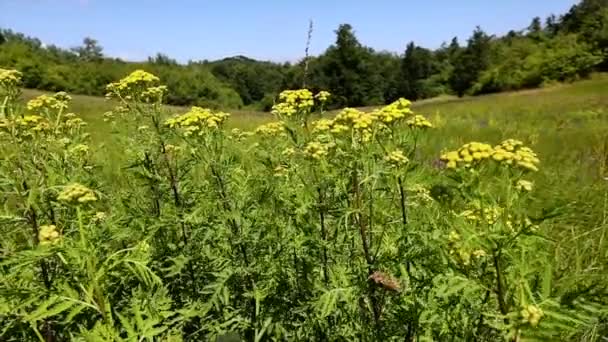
[(271, 129), (10, 80), (532, 314), (59, 101), (322, 125), (76, 194), (394, 111), (513, 152), (293, 102), (79, 149), (317, 150), (419, 121), (48, 234), (135, 86), (197, 120), (396, 158), (467, 155), (154, 94), (524, 185), (322, 96)]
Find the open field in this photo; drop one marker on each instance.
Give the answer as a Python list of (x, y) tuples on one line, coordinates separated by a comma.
[(357, 225)]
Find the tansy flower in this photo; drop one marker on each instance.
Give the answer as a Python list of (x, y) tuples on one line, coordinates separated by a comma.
[(197, 120), (59, 101), (292, 102), (322, 125), (76, 194), (79, 149), (271, 129), (531, 314), (393, 112), (322, 96), (524, 185), (48, 234), (9, 78), (317, 150), (419, 121), (396, 158)]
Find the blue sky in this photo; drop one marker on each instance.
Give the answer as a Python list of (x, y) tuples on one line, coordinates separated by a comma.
[(270, 30)]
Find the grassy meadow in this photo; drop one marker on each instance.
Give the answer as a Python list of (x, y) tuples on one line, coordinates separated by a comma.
[(374, 224)]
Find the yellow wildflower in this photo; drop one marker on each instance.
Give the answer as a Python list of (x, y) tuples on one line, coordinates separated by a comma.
[(197, 120), (394, 111), (271, 129), (524, 185), (76, 194), (532, 314), (316, 149), (79, 149), (292, 102), (322, 96), (396, 158), (9, 79), (322, 125), (48, 234), (419, 121)]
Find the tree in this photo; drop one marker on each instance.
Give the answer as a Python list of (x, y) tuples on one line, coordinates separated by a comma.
[(535, 30), (417, 64), (349, 68), (471, 62), (89, 51), (162, 59)]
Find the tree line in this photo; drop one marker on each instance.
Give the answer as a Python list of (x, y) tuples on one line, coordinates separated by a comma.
[(556, 49)]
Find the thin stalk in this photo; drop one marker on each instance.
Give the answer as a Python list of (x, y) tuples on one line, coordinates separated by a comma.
[(403, 201), (323, 233), (500, 286)]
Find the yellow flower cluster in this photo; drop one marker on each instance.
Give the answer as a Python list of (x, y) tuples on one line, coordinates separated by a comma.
[(532, 314), (197, 120), (322, 96), (467, 154), (75, 123), (32, 123), (317, 150), (9, 79), (509, 152), (489, 215), (79, 149), (48, 234), (292, 102), (59, 101), (419, 121), (394, 111), (76, 194), (154, 94), (280, 170), (461, 252), (136, 82), (289, 151), (396, 158), (420, 192), (271, 129), (322, 125), (513, 152), (524, 185), (345, 120)]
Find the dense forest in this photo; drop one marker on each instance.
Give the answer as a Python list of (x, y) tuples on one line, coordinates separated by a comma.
[(556, 49)]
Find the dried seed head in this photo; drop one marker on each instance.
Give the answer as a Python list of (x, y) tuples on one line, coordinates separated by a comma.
[(385, 281)]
